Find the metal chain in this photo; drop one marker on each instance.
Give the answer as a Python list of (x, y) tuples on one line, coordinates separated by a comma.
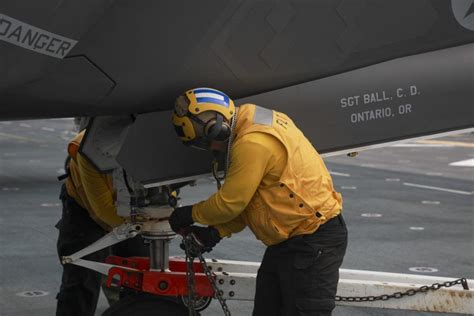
[(219, 293), (194, 250), (411, 292), (190, 280)]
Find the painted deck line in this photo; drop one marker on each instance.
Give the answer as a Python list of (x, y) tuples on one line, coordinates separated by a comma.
[(434, 173), (422, 145), (387, 144), (339, 174), (463, 163), (431, 202), (348, 188), (436, 188), (20, 138), (446, 142)]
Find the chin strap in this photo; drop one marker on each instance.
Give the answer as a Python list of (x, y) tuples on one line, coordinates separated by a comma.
[(215, 170), (215, 161)]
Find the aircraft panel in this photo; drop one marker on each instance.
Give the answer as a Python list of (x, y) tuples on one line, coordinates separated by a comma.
[(154, 50), (405, 98)]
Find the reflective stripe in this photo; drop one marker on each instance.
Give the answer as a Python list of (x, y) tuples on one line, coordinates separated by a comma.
[(208, 95), (212, 100), (263, 116), (209, 90)]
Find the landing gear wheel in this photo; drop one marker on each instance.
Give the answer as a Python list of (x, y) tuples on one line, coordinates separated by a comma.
[(146, 305), (200, 304)]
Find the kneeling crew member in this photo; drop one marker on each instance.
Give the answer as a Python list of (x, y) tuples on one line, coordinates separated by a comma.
[(88, 214), (278, 186)]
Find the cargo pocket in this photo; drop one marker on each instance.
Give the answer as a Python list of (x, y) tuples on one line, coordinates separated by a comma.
[(320, 307), (306, 274)]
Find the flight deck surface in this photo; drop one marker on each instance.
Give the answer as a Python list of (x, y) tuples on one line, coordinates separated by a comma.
[(408, 207)]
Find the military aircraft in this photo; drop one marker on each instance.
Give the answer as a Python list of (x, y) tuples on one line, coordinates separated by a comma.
[(353, 74), (365, 72)]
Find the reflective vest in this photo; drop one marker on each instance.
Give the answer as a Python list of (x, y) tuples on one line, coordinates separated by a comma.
[(74, 185), (304, 197)]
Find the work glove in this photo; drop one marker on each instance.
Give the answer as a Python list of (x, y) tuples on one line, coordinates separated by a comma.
[(207, 237), (181, 218)]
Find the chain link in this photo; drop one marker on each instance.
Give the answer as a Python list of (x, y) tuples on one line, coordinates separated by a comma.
[(219, 293), (398, 295), (190, 280), (194, 250)]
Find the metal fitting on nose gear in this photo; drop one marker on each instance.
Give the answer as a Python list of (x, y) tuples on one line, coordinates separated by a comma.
[(65, 260)]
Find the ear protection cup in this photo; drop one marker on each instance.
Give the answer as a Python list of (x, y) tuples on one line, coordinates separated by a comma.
[(224, 133), (217, 129)]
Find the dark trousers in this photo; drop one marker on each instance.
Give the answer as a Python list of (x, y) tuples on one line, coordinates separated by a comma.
[(299, 276), (80, 287)]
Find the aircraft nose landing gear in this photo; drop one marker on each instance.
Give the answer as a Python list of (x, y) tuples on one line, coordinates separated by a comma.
[(159, 285), (140, 303)]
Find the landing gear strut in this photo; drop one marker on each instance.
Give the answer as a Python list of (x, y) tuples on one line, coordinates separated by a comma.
[(160, 283)]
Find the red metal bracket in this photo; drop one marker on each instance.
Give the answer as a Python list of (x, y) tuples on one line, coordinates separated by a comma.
[(135, 273)]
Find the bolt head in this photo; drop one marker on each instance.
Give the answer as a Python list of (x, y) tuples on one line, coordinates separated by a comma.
[(163, 285)]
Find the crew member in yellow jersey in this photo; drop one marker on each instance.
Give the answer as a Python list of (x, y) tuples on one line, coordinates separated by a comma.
[(278, 186), (89, 212)]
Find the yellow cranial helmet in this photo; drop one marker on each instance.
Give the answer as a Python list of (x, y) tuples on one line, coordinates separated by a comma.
[(203, 115)]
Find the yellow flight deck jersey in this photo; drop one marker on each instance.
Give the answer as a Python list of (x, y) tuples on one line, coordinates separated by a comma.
[(91, 189), (277, 183)]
